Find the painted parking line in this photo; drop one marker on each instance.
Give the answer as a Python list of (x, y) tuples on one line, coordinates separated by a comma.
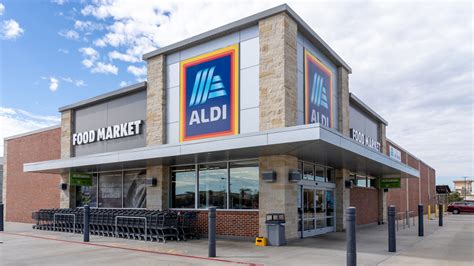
[(136, 249)]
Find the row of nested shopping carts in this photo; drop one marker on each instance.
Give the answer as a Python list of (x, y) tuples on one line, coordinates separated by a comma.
[(139, 224)]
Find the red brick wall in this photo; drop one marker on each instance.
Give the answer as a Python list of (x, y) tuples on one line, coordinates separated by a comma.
[(366, 202), (231, 223), (28, 192), (419, 190)]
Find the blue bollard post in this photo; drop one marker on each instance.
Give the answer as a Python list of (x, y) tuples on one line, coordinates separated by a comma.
[(420, 220), (392, 241), (351, 252), (212, 232), (440, 216), (86, 222)]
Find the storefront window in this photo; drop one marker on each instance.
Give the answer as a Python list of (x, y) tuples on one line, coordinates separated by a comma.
[(360, 181), (244, 185), (183, 187), (226, 185), (134, 189), (87, 195), (308, 171), (110, 190), (320, 174), (213, 185)]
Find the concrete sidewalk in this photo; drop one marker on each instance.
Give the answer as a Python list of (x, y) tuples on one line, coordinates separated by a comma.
[(448, 245)]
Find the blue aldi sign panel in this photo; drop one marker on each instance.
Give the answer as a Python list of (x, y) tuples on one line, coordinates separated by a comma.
[(209, 95), (318, 91)]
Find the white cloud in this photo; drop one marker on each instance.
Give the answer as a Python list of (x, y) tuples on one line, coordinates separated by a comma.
[(89, 52), (123, 84), (87, 63), (137, 71), (18, 121), (104, 68), (2, 9), (59, 2), (124, 57), (87, 26), (80, 83), (64, 51), (77, 83), (10, 30), (53, 84), (70, 34)]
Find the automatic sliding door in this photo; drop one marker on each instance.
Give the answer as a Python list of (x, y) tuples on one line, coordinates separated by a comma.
[(317, 211), (308, 210)]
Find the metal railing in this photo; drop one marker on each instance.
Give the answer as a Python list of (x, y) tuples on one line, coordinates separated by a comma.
[(404, 217), (64, 214), (131, 217)]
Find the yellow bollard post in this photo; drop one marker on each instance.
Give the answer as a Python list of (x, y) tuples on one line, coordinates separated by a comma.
[(429, 212), (436, 212), (444, 208)]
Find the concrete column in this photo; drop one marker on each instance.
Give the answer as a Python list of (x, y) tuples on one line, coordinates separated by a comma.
[(382, 197), (280, 196), (278, 78), (343, 100), (66, 197), (382, 200), (157, 197), (156, 101), (343, 198)]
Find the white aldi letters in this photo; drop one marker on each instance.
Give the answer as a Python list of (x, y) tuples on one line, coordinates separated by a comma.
[(106, 133)]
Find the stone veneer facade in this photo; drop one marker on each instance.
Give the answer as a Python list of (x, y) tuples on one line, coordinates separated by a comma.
[(157, 196), (67, 197), (277, 82), (278, 107)]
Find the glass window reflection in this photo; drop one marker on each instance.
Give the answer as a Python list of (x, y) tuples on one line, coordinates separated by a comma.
[(183, 187), (244, 185), (213, 185)]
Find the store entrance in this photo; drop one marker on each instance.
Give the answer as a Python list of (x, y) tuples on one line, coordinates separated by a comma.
[(316, 209)]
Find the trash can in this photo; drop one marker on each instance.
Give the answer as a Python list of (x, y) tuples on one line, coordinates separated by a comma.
[(275, 229)]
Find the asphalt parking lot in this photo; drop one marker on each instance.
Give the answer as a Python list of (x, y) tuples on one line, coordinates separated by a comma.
[(452, 244)]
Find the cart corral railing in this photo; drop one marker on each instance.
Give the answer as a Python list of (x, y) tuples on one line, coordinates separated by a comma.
[(139, 224)]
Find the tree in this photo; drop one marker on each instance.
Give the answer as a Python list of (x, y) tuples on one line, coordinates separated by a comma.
[(455, 196)]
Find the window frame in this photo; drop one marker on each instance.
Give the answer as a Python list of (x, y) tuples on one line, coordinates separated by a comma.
[(197, 191)]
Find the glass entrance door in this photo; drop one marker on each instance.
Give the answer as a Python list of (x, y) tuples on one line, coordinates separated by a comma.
[(316, 211)]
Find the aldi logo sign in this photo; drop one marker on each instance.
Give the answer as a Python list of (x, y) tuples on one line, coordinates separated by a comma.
[(209, 95), (318, 91)]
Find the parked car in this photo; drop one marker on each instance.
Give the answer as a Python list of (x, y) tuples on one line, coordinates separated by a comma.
[(458, 207)]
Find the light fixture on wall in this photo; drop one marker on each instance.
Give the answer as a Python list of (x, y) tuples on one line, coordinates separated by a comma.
[(294, 176), (151, 182), (62, 186), (269, 176)]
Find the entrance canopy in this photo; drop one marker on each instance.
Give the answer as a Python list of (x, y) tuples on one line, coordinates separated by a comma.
[(311, 142)]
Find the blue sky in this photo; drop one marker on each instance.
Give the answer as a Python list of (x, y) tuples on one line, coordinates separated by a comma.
[(45, 51), (412, 61)]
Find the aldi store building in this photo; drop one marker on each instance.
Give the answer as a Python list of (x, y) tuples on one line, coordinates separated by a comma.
[(254, 117)]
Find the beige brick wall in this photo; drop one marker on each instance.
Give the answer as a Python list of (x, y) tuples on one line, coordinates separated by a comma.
[(382, 196), (156, 101), (343, 100), (280, 196), (343, 197), (278, 80), (67, 197), (157, 197)]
